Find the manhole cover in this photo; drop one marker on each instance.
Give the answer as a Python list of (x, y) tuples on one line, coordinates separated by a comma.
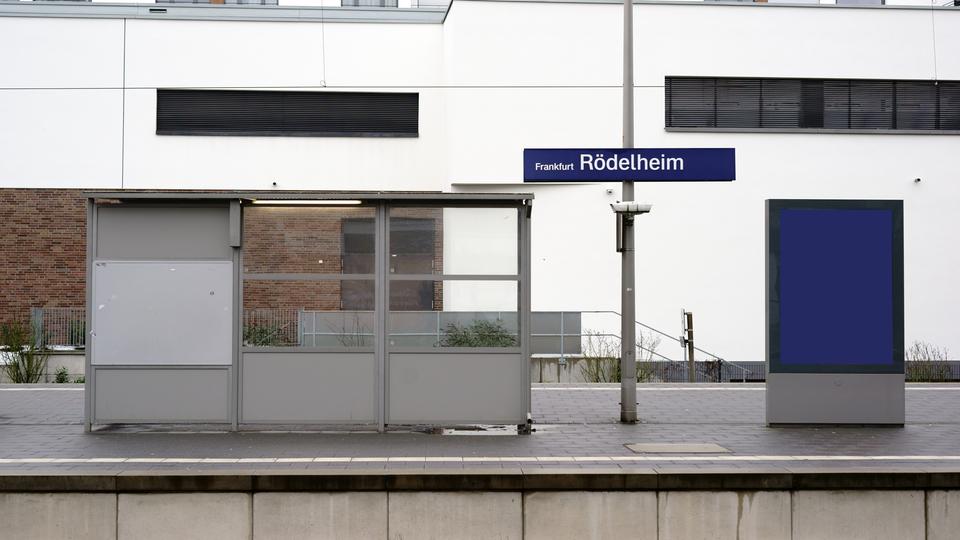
[(677, 448)]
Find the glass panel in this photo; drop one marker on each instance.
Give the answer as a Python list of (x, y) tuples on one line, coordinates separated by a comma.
[(453, 241), (461, 314), (308, 313), (308, 240)]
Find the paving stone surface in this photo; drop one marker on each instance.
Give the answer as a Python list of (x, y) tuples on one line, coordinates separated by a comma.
[(576, 427)]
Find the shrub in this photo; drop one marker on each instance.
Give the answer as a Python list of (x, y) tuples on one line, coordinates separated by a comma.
[(80, 380), (601, 357), (263, 336), (926, 362), (479, 333), (24, 360), (61, 376)]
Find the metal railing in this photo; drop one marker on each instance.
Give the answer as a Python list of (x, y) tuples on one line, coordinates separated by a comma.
[(271, 327), (59, 327), (712, 369), (66, 327)]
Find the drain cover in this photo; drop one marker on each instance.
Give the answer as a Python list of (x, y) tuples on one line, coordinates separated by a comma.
[(677, 448)]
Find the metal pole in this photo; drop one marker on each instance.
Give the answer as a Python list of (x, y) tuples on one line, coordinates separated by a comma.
[(691, 366), (628, 358)]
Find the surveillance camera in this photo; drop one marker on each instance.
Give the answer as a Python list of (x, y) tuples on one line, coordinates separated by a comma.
[(274, 184), (916, 180), (630, 207), (609, 191)]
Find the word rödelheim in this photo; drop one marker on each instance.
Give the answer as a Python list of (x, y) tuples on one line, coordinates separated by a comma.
[(633, 162)]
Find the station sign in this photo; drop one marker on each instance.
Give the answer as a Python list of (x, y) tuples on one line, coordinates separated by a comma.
[(629, 164)]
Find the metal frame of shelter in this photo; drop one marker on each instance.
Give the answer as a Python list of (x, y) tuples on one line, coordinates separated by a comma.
[(165, 286)]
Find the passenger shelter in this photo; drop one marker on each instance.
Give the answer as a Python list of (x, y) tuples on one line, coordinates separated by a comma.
[(308, 308)]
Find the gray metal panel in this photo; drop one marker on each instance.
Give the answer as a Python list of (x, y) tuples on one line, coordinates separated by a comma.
[(524, 291), (88, 381), (236, 223), (162, 395), (236, 336), (456, 388), (547, 327), (381, 320), (155, 233), (162, 313), (293, 387), (462, 199), (835, 398)]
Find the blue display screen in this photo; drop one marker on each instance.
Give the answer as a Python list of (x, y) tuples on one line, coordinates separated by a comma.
[(836, 287)]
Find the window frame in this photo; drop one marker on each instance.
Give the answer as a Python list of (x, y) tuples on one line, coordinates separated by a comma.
[(826, 115)]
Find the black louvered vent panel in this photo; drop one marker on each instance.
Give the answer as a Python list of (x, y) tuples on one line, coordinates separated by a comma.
[(738, 103), (311, 114), (836, 104), (871, 105), (692, 102), (755, 103), (949, 105), (812, 99), (781, 103), (916, 105)]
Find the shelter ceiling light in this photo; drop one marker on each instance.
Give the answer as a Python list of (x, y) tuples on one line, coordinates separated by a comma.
[(315, 202)]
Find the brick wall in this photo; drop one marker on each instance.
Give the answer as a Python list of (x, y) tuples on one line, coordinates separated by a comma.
[(301, 240), (42, 250)]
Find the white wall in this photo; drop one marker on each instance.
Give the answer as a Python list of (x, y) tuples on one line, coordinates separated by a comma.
[(60, 102), (78, 109), (282, 55), (702, 247)]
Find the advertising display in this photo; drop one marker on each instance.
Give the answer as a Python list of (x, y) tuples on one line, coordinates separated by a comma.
[(835, 310)]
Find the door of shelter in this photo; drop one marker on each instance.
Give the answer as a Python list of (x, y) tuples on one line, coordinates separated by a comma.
[(266, 309)]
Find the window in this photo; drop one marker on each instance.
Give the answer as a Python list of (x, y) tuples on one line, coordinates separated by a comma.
[(290, 114), (413, 248), (797, 104), (368, 3)]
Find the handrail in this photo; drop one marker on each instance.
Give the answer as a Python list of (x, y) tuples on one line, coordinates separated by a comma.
[(661, 332), (743, 370)]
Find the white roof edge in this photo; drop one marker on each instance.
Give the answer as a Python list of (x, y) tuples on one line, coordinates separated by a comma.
[(427, 15), (228, 12)]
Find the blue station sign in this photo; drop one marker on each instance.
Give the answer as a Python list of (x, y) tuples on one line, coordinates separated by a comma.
[(624, 164)]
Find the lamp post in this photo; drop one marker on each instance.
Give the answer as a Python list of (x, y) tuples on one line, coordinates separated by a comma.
[(625, 212), (628, 354)]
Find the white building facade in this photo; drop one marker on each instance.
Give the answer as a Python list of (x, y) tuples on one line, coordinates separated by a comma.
[(78, 109)]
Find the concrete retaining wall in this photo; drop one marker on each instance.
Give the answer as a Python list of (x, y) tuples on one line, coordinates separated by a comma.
[(664, 515), (74, 361)]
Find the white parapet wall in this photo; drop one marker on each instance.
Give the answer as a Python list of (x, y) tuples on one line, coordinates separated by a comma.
[(396, 515)]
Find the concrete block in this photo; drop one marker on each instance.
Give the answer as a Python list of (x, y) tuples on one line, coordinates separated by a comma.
[(719, 515), (355, 515), (590, 515), (461, 515), (75, 364), (77, 516), (183, 516), (943, 515), (861, 514)]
